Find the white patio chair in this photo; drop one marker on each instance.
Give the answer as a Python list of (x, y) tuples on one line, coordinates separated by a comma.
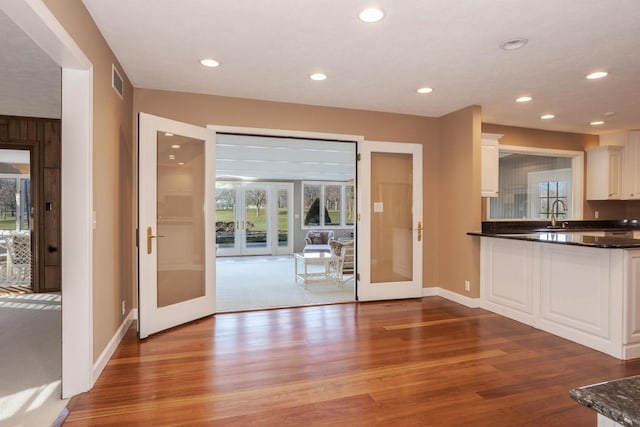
[(19, 257), (344, 265)]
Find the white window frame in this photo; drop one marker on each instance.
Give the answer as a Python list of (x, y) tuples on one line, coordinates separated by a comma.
[(343, 194), (577, 168)]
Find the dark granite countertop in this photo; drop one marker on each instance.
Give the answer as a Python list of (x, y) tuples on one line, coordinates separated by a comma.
[(618, 400), (570, 238), (578, 233)]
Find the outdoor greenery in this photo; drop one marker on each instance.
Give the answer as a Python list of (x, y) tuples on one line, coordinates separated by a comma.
[(257, 224), (7, 222)]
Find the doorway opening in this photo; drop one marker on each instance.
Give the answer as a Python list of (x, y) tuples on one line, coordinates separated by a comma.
[(15, 222), (267, 187)]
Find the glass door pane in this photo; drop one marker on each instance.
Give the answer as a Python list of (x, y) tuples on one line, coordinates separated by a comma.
[(180, 219), (283, 217), (226, 196), (256, 219), (392, 219)]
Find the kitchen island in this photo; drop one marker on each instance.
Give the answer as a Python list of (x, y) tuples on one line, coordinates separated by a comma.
[(581, 285)]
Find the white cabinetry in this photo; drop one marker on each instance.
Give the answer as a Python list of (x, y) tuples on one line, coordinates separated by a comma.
[(490, 156), (604, 172), (631, 167), (632, 299), (584, 294), (508, 269)]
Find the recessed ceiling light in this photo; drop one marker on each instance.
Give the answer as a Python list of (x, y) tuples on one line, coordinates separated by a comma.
[(208, 62), (524, 99), (168, 134), (425, 90), (513, 44), (181, 163), (610, 113), (547, 116), (175, 146), (172, 156), (371, 15), (597, 123), (597, 75), (318, 76)]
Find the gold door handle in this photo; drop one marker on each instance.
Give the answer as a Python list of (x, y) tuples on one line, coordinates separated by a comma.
[(419, 229), (149, 237)]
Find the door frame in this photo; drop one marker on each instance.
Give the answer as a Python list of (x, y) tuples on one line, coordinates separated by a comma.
[(37, 21)]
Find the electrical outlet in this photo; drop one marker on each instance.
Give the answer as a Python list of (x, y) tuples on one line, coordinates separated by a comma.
[(123, 307), (596, 214), (467, 286)]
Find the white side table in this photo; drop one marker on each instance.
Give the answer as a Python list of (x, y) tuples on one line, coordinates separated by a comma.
[(313, 258)]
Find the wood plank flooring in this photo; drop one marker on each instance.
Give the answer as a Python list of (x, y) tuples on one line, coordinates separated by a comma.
[(424, 362)]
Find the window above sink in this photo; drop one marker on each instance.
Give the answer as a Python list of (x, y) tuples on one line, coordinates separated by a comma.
[(533, 180)]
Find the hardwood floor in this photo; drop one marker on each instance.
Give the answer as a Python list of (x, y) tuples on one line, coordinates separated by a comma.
[(424, 362)]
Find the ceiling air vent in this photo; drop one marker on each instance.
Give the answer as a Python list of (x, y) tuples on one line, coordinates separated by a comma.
[(116, 81)]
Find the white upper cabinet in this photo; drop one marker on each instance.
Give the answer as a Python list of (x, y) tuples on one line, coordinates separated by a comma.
[(490, 156), (631, 167), (604, 172)]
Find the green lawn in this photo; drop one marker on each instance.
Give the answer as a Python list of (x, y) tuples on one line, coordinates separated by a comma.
[(259, 222), (8, 222)]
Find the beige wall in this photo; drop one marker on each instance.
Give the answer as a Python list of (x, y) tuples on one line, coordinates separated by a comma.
[(209, 109), (459, 202), (112, 175)]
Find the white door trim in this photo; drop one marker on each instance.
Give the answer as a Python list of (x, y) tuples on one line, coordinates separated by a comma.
[(40, 24)]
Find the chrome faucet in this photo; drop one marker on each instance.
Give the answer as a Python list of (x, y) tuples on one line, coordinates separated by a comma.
[(554, 210)]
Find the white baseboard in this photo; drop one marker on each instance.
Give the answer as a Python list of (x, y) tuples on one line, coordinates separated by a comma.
[(108, 351), (451, 296)]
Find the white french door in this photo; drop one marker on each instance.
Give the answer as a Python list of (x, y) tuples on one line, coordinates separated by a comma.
[(390, 229), (247, 208), (253, 218), (176, 210)]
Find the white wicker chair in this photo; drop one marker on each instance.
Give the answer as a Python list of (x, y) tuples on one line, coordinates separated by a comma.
[(344, 265), (19, 257)]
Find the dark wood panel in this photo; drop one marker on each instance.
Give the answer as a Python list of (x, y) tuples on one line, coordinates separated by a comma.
[(51, 217), (52, 278), (4, 129), (51, 141), (423, 362)]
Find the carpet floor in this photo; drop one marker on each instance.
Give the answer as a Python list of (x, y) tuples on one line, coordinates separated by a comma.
[(30, 370), (255, 282)]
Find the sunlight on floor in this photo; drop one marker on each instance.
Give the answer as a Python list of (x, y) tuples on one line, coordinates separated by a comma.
[(30, 384), (26, 401), (33, 302)]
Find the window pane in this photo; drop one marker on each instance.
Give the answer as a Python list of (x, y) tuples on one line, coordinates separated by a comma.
[(350, 214), (311, 203), (562, 189), (225, 215), (333, 204), (283, 217), (256, 217)]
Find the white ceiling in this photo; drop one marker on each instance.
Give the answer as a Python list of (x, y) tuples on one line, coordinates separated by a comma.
[(257, 157), (267, 50), (30, 82)]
